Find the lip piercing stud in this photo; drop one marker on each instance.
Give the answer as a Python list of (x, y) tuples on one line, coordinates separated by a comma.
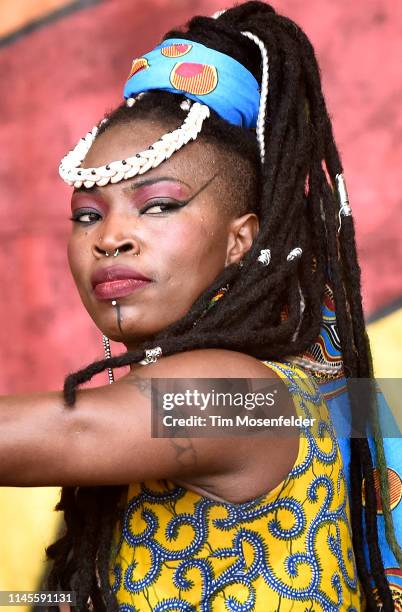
[(114, 303)]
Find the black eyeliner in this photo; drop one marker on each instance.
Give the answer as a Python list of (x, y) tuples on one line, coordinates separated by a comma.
[(182, 203), (76, 217), (170, 206), (202, 188)]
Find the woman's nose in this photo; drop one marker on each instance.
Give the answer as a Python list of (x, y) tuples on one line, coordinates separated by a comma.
[(113, 241)]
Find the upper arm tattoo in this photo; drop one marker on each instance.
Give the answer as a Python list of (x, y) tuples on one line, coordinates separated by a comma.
[(186, 453)]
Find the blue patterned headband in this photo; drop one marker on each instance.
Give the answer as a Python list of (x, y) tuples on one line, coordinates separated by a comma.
[(203, 75), (213, 81)]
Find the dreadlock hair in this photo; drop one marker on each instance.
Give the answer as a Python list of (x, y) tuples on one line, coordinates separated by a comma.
[(297, 206)]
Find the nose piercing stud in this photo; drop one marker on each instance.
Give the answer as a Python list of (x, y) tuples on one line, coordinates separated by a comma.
[(115, 254)]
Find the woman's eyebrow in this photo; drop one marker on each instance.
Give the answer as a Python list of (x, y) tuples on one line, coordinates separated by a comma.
[(94, 189), (146, 182), (152, 181), (133, 185)]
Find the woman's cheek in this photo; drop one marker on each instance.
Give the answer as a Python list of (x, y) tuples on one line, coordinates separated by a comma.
[(177, 244), (77, 259)]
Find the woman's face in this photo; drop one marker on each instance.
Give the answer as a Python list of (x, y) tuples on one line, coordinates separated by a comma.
[(170, 226)]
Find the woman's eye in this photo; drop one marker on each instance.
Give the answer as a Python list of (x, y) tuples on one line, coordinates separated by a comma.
[(160, 207), (85, 217)]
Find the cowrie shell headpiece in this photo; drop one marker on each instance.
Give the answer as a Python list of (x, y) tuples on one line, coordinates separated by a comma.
[(70, 167)]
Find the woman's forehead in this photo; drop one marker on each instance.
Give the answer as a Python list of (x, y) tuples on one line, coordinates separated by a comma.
[(195, 162)]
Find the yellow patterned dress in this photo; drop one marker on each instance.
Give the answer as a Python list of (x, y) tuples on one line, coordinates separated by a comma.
[(289, 549)]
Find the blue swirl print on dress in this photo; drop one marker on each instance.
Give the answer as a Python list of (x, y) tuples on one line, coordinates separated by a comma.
[(234, 605), (239, 515), (204, 566), (156, 497), (260, 551), (303, 397), (341, 480), (173, 605), (322, 456), (136, 586), (312, 591), (261, 566), (211, 586), (299, 515), (293, 561), (127, 608), (295, 387), (336, 583), (137, 502), (147, 515), (197, 520), (117, 578), (239, 512), (335, 547), (303, 466)]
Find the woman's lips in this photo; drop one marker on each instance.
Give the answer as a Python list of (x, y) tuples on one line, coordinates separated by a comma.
[(118, 288), (117, 281)]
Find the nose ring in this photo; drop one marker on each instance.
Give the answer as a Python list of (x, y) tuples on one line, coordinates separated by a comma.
[(115, 254)]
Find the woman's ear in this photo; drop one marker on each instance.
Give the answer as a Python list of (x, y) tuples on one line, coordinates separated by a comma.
[(242, 232)]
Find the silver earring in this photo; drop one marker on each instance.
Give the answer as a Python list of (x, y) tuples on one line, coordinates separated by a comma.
[(108, 354)]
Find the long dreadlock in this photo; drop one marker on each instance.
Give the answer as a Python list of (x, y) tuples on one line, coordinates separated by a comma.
[(297, 206)]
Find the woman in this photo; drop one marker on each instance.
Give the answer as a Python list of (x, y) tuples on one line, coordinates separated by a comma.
[(220, 176)]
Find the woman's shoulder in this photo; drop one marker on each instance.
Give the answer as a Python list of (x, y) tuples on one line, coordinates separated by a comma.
[(208, 363)]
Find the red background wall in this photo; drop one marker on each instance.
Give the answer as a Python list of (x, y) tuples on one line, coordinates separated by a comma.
[(60, 78)]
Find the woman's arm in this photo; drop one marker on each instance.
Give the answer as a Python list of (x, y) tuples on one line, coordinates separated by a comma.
[(105, 438)]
